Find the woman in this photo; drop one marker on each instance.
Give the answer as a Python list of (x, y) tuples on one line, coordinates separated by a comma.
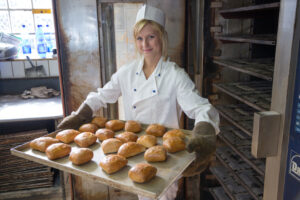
[(155, 90)]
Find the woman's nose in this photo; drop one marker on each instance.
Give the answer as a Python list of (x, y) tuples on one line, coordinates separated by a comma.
[(145, 43)]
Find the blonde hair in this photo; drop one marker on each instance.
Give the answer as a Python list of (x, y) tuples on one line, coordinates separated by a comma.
[(162, 34)]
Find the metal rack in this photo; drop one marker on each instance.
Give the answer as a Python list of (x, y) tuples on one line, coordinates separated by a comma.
[(240, 175)]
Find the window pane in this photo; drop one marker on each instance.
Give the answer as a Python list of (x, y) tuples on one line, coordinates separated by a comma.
[(4, 22), (3, 4), (124, 20), (42, 3), (18, 18), (17, 4), (44, 20)]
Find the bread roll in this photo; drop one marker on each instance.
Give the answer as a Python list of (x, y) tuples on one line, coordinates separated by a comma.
[(147, 140), (174, 144), (130, 149), (89, 127), (58, 150), (42, 143), (113, 163), (155, 154), (67, 136), (115, 125), (99, 121), (104, 133), (81, 156), (142, 172), (156, 130), (127, 137), (172, 133), (111, 145), (85, 139), (133, 126)]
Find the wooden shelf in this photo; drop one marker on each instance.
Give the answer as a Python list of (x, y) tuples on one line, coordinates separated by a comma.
[(253, 11), (243, 173), (229, 183), (260, 68), (255, 39), (240, 143), (240, 115), (256, 94), (218, 193)]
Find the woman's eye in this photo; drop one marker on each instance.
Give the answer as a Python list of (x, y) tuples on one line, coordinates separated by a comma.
[(152, 36), (139, 38)]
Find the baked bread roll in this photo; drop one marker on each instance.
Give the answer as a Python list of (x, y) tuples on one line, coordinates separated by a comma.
[(85, 139), (104, 133), (99, 121), (172, 133), (111, 145), (147, 140), (89, 127), (133, 126), (58, 150), (155, 154), (67, 136), (113, 163), (127, 137), (115, 125), (142, 172), (130, 149), (81, 156), (156, 130), (42, 143), (174, 144)]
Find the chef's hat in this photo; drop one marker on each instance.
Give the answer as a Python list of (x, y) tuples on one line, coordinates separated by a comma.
[(151, 13)]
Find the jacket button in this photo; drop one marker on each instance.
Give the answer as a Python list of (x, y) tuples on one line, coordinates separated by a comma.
[(137, 73), (134, 107), (153, 91), (134, 89), (158, 74)]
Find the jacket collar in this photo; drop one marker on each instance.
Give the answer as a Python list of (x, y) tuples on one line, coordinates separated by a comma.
[(158, 67)]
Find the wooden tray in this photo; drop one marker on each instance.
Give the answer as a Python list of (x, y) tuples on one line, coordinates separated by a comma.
[(167, 172)]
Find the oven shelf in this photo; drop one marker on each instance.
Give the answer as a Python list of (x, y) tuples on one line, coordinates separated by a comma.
[(244, 174), (218, 193), (240, 115), (266, 39), (260, 68), (256, 94), (260, 10), (240, 143), (229, 183)]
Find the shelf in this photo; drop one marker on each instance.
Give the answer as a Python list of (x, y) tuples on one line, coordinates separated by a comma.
[(243, 173), (240, 143), (240, 115), (260, 68), (256, 94), (255, 39), (229, 183), (218, 193), (253, 11)]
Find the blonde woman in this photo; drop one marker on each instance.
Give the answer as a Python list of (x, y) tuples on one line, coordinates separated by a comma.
[(155, 90)]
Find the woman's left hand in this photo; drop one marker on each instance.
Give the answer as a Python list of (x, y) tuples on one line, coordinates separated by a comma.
[(203, 143)]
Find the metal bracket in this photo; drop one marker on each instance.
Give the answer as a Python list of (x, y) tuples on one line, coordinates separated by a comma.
[(266, 127)]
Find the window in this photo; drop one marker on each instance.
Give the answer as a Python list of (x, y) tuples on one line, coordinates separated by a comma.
[(19, 17)]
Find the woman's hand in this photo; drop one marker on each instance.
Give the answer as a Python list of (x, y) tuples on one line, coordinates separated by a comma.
[(83, 115), (203, 143)]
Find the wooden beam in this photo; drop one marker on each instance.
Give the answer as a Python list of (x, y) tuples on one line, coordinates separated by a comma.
[(266, 126)]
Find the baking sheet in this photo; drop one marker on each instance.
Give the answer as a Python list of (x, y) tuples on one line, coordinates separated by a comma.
[(167, 172)]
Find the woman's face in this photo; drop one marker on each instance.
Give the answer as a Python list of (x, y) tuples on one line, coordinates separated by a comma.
[(148, 42)]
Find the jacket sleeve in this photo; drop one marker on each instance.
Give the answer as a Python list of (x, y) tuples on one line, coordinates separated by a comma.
[(108, 94), (193, 105)]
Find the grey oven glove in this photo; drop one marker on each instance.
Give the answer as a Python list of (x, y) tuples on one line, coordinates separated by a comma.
[(84, 114), (203, 143)]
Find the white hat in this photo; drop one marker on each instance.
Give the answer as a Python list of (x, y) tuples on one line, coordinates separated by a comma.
[(151, 13)]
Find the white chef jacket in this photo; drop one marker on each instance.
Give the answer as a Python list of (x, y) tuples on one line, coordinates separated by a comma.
[(158, 99)]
